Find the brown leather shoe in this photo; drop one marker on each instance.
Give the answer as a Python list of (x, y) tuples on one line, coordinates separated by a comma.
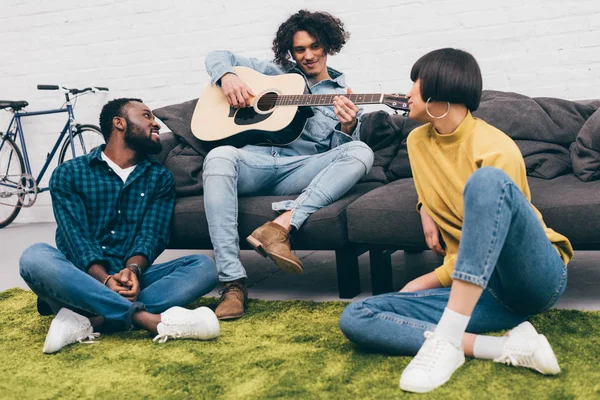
[(233, 299), (273, 241)]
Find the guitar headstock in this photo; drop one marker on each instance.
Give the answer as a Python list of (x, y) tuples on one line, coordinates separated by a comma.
[(396, 101)]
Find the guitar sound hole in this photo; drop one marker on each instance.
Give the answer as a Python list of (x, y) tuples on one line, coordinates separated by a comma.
[(267, 101)]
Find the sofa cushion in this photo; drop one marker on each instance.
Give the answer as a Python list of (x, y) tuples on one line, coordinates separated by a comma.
[(585, 151), (570, 207), (186, 158), (168, 142), (387, 216), (324, 230), (386, 135), (542, 128), (177, 118)]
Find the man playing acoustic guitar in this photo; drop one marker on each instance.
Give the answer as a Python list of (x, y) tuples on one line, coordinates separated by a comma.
[(321, 165)]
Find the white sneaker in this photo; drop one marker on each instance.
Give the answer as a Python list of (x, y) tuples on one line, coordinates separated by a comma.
[(433, 365), (524, 328), (66, 328), (526, 348), (181, 323)]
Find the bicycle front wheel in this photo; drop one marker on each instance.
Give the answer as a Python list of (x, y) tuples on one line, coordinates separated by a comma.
[(85, 139), (12, 169)]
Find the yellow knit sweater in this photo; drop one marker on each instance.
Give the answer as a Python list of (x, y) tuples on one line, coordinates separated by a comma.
[(441, 165)]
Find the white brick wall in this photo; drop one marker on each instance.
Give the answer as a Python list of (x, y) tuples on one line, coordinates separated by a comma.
[(155, 49)]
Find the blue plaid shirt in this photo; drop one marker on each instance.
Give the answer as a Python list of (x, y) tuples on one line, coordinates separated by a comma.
[(103, 220)]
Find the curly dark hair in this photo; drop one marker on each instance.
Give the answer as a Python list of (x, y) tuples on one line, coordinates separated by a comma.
[(326, 28), (112, 109)]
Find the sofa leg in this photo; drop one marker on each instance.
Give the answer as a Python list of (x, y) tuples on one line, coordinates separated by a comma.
[(346, 262), (381, 271)]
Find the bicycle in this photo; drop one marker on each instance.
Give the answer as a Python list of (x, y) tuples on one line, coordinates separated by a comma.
[(18, 187)]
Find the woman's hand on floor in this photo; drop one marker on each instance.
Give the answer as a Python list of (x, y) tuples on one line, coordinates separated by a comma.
[(427, 281)]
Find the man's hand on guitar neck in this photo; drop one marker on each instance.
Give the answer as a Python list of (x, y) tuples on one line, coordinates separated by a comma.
[(238, 94), (346, 112)]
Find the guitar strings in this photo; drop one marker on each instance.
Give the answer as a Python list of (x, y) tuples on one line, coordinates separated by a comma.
[(272, 99)]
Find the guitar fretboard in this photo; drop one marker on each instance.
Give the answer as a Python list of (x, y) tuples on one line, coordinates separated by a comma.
[(326, 99)]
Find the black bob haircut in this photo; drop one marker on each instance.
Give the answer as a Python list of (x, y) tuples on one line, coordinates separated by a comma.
[(112, 109), (450, 75), (327, 29)]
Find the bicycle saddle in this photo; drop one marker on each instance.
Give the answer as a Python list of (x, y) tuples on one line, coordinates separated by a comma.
[(15, 105)]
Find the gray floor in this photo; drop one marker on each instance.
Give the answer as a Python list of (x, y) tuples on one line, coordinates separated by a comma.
[(319, 279)]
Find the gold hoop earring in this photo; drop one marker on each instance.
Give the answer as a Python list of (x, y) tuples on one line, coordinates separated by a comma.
[(432, 116)]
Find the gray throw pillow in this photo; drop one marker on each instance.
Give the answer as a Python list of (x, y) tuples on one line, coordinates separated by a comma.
[(178, 117), (585, 151), (186, 158)]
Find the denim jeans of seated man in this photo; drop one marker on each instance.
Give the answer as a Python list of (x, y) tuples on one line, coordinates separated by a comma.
[(319, 179), (503, 248), (61, 284)]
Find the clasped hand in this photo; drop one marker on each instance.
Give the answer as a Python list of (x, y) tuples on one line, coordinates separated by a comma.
[(125, 283)]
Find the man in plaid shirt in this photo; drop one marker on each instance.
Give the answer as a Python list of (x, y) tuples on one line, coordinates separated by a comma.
[(113, 207)]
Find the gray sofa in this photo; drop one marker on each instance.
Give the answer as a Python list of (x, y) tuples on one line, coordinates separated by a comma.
[(560, 141)]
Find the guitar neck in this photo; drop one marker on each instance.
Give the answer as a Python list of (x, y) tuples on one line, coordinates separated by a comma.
[(327, 99)]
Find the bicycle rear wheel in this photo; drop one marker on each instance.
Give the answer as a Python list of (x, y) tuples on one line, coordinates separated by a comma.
[(85, 139), (12, 170)]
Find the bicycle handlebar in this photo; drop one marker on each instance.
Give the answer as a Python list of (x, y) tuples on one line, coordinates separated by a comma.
[(72, 91)]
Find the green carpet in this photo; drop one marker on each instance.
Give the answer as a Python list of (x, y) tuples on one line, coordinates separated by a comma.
[(281, 349)]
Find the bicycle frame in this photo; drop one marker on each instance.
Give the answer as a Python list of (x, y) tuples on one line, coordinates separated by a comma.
[(68, 128)]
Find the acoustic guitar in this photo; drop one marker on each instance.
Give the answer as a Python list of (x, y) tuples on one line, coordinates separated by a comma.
[(278, 112)]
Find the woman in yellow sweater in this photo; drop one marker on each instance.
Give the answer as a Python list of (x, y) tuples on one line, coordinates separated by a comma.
[(501, 263)]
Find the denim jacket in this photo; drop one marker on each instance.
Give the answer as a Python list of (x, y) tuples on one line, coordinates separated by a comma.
[(322, 131)]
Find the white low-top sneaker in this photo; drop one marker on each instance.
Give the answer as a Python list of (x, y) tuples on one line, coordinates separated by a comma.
[(526, 348), (433, 365), (66, 328), (524, 328), (181, 323)]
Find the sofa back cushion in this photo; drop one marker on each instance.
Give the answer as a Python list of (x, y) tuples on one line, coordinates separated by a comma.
[(585, 151), (543, 128), (184, 160)]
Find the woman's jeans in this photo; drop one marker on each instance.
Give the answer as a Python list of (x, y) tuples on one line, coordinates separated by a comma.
[(503, 248), (319, 179), (61, 284)]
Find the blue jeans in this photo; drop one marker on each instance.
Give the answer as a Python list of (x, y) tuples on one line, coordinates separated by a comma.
[(503, 248), (228, 172), (61, 284)]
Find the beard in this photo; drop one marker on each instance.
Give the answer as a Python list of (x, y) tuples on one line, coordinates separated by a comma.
[(137, 140)]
